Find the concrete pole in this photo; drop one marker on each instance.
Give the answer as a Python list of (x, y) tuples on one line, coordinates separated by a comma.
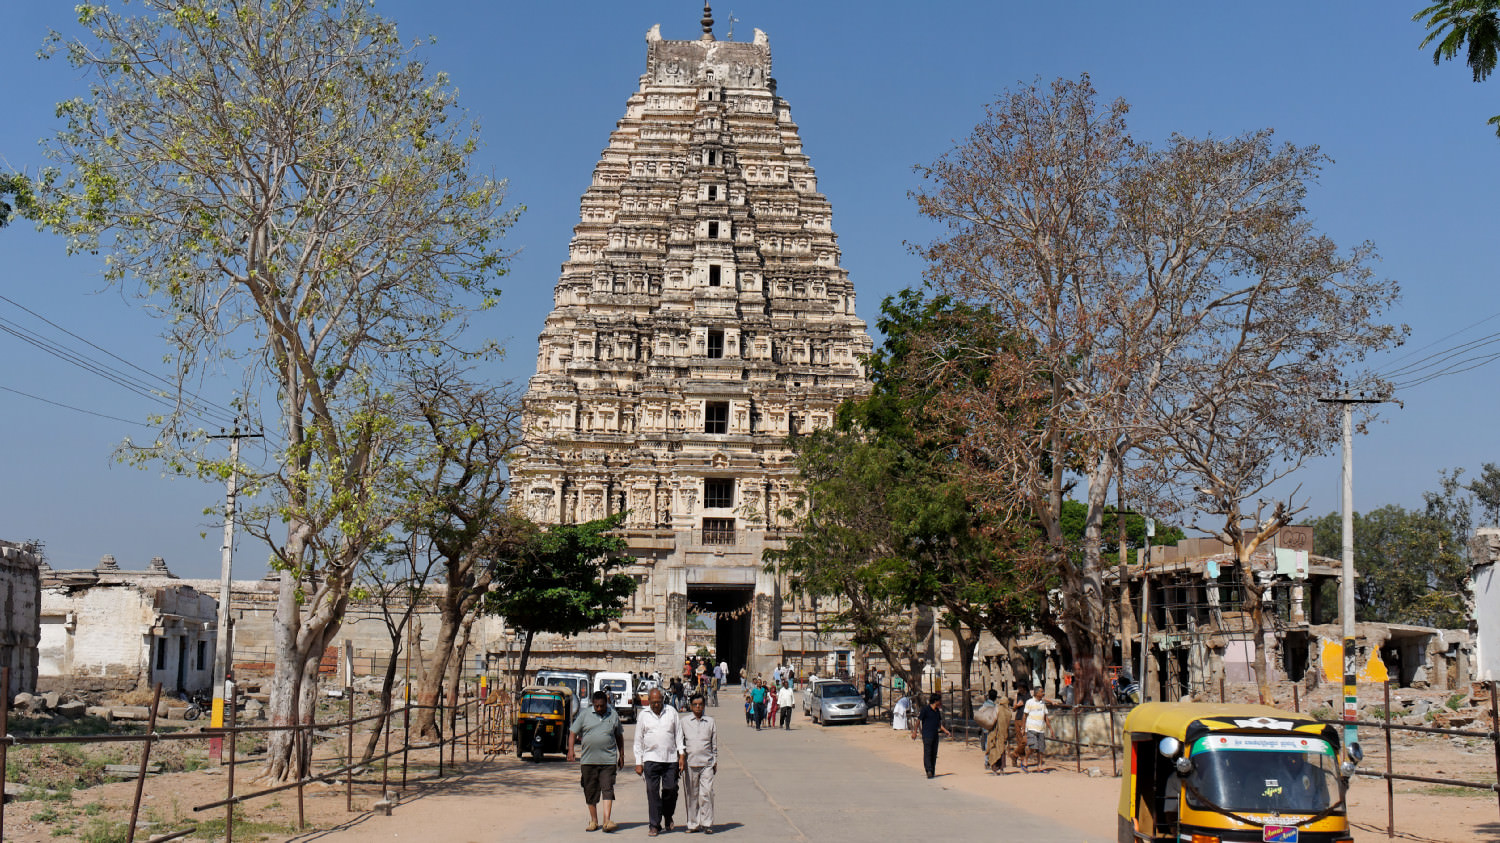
[(1346, 591), (222, 653)]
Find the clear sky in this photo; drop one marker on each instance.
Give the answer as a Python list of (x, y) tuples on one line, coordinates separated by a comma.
[(876, 87)]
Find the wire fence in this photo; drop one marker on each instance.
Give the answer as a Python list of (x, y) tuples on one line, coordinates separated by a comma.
[(472, 720), (1070, 727)]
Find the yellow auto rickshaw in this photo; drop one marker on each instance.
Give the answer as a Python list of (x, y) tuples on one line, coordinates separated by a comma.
[(542, 721), (1205, 773)]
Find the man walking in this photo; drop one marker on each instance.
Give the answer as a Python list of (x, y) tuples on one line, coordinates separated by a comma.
[(1036, 728), (786, 699), (658, 757), (758, 703), (598, 729), (700, 741), (930, 724)]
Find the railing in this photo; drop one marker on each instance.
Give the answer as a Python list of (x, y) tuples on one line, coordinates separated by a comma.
[(718, 536), (493, 715)]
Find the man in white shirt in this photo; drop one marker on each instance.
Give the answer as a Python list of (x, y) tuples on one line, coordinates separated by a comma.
[(785, 699), (659, 757), (700, 740), (1036, 728)]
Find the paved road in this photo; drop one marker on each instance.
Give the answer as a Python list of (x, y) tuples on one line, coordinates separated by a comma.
[(809, 784)]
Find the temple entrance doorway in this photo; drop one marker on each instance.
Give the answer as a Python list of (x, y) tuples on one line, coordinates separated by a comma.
[(728, 610)]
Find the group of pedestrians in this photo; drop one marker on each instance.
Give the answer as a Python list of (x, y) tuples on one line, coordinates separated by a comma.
[(768, 705), (671, 753), (927, 724)]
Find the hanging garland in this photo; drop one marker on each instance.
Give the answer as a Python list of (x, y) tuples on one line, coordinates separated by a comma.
[(695, 609)]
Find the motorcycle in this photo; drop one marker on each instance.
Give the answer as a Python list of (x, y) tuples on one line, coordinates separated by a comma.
[(198, 702)]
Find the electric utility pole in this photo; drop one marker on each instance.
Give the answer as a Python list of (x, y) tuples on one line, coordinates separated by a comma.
[(1346, 583), (222, 651)]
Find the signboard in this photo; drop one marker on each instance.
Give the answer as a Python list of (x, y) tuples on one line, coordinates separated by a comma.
[(1295, 538)]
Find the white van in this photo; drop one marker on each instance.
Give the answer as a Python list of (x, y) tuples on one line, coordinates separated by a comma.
[(621, 695), (576, 681)]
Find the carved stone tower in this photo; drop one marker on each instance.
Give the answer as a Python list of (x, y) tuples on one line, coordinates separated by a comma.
[(701, 319)]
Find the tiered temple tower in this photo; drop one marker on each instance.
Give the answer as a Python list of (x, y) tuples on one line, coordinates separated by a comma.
[(701, 320)]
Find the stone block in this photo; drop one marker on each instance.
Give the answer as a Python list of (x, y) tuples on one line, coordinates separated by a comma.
[(104, 711), (130, 712), (23, 702), (73, 709), (51, 699)]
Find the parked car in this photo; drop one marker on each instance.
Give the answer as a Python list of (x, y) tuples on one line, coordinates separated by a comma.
[(835, 702), (621, 696), (807, 693)]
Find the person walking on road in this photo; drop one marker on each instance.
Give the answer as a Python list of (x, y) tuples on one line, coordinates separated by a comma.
[(758, 703), (930, 724), (599, 731), (658, 757), (786, 700), (1036, 729), (700, 742)]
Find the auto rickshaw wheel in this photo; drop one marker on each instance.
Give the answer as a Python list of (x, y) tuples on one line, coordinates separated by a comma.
[(536, 753), (520, 750)]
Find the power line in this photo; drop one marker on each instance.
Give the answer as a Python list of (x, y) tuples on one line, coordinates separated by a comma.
[(199, 406), (71, 407)]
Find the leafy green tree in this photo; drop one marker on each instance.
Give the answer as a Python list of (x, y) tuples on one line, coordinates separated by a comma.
[(1471, 26), (890, 527), (1411, 564), (564, 580), (17, 188), (289, 186)]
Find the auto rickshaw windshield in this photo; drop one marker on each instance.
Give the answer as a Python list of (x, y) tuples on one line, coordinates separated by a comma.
[(1263, 774), (541, 705)]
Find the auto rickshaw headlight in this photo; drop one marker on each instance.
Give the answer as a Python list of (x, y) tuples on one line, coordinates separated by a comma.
[(1168, 747), (1184, 765), (1346, 769)]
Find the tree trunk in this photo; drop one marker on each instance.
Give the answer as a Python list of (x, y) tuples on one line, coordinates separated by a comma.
[(521, 670), (968, 642), (386, 685), (286, 679), (1254, 594), (436, 672)]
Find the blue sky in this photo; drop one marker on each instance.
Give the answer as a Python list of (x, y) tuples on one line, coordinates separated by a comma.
[(876, 88)]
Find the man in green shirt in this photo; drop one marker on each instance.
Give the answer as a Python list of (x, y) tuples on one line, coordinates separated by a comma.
[(598, 729)]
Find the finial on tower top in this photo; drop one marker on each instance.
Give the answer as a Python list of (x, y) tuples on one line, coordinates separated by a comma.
[(708, 23)]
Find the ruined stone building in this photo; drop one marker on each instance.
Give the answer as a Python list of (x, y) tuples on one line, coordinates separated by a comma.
[(20, 614), (107, 629), (700, 319), (1200, 636)]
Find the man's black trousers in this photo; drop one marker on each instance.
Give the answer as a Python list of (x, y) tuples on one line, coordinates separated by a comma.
[(929, 756), (661, 791)]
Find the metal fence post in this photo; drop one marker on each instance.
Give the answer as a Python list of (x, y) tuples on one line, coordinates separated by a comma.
[(1077, 743), (1495, 734), (4, 739), (1390, 783), (140, 778), (405, 734), (233, 742), (349, 761), (303, 767), (1114, 764)]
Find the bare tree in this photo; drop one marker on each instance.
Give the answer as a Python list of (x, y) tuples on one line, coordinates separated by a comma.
[(290, 186), (1123, 269), (473, 431)]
